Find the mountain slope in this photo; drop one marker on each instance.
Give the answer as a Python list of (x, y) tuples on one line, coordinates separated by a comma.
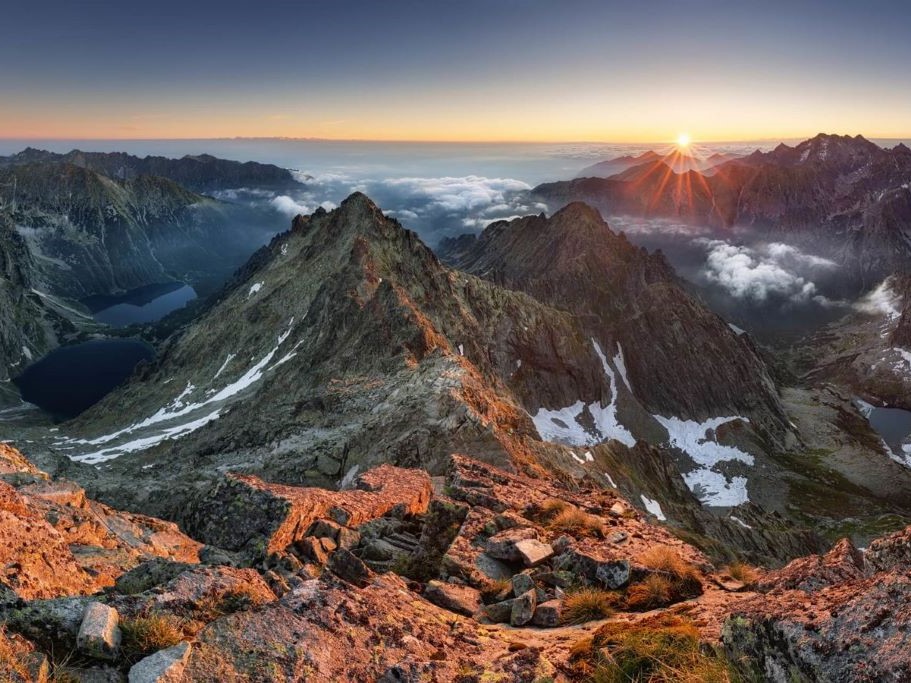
[(682, 359), (90, 234), (29, 324)]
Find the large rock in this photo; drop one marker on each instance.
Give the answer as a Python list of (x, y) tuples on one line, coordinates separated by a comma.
[(99, 635), (462, 599), (533, 552), (547, 614), (244, 513), (597, 567), (523, 608), (165, 666), (504, 545)]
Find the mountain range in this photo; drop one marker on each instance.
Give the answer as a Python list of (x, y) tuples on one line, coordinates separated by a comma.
[(846, 196), (353, 438)]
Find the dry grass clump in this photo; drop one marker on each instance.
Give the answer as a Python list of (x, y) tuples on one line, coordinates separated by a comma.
[(563, 517), (587, 604), (661, 650), (653, 592), (145, 635), (684, 578), (743, 572)]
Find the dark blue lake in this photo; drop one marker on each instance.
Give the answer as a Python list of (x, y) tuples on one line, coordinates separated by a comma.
[(70, 379), (892, 424), (142, 305)]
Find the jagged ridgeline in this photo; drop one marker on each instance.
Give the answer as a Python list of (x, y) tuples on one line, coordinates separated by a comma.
[(346, 343), (845, 196)]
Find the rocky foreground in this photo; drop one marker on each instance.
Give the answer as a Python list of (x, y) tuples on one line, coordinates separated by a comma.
[(478, 575)]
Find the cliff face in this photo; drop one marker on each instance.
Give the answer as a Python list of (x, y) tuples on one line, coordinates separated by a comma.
[(29, 326), (91, 234), (680, 359)]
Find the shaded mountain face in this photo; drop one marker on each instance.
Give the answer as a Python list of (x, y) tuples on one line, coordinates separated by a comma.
[(90, 234), (680, 359), (868, 351), (848, 197), (200, 173), (29, 325)]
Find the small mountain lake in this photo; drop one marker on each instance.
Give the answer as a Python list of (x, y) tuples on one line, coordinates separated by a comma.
[(892, 424), (143, 305), (71, 379)]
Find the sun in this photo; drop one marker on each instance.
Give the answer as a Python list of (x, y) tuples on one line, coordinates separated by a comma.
[(683, 140)]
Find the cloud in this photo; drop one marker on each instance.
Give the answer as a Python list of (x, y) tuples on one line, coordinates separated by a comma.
[(764, 272), (292, 208)]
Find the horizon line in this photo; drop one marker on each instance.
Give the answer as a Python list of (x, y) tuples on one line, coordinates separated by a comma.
[(34, 138)]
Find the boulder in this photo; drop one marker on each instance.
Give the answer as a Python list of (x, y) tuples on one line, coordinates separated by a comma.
[(497, 613), (245, 514), (165, 666), (547, 614), (462, 599), (595, 567), (533, 552), (348, 567), (523, 608), (99, 635), (522, 583), (502, 546)]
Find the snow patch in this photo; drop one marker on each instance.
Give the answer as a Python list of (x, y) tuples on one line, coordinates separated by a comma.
[(653, 506), (739, 521), (569, 426), (698, 440), (254, 288), (737, 330)]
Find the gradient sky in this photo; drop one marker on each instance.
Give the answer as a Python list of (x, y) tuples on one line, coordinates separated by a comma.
[(462, 70)]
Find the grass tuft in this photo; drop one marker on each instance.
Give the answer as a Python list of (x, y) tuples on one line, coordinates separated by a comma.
[(145, 635), (743, 572), (661, 650), (685, 579), (587, 604), (653, 592)]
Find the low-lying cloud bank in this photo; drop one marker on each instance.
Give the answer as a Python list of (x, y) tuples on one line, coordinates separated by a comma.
[(763, 272), (434, 207)]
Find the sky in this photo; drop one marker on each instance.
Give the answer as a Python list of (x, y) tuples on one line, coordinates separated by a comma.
[(482, 70)]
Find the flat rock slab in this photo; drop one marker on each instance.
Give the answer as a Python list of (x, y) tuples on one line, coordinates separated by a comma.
[(462, 599), (165, 666), (533, 552), (246, 514), (99, 634)]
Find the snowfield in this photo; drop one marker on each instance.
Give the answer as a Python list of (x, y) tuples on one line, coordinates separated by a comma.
[(697, 440), (587, 424), (160, 427)]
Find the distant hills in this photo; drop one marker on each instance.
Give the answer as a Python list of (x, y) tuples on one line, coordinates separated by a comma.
[(200, 173)]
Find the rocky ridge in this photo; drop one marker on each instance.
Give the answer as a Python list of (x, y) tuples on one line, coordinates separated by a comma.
[(482, 574)]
